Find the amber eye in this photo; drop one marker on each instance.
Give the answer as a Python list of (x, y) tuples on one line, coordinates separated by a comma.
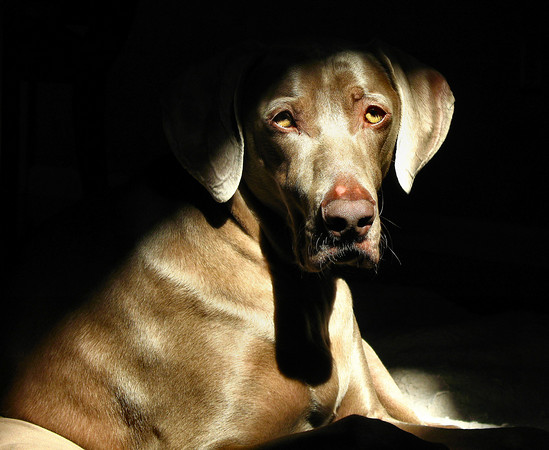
[(374, 115), (284, 120)]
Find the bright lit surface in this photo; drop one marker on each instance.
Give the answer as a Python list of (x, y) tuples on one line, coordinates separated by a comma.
[(431, 399)]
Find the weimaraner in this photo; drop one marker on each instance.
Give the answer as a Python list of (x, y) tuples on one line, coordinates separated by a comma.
[(227, 327)]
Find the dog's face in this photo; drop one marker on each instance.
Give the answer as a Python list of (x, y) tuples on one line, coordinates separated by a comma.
[(310, 138), (318, 144)]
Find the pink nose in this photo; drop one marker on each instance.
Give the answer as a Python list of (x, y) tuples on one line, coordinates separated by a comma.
[(348, 209), (345, 217)]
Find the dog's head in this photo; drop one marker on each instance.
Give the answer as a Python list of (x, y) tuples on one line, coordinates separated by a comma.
[(310, 136)]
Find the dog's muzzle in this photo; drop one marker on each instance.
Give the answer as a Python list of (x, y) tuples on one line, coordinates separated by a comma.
[(346, 231)]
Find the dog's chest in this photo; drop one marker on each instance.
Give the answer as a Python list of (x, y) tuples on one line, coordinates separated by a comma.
[(226, 328), (269, 404)]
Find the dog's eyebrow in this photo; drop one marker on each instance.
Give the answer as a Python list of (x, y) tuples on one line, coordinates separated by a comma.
[(380, 98), (279, 103)]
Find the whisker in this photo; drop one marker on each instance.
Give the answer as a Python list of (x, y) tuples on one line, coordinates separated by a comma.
[(395, 255), (381, 201), (386, 242), (391, 222)]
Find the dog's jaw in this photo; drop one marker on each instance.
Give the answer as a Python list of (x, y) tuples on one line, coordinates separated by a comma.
[(319, 251)]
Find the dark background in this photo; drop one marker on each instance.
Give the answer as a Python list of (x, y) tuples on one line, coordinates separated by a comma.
[(80, 122)]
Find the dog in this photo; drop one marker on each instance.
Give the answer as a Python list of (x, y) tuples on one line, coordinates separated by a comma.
[(227, 326)]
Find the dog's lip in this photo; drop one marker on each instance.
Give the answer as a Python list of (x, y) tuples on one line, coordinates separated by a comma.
[(360, 253), (363, 253)]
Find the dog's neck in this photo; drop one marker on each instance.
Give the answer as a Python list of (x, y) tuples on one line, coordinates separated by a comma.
[(244, 217), (303, 301), (263, 224)]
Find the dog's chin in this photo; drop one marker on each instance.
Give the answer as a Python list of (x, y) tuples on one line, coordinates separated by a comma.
[(363, 255)]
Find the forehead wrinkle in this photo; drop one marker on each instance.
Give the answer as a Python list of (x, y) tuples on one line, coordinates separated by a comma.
[(340, 83)]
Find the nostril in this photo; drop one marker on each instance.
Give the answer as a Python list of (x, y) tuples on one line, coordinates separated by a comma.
[(365, 221), (346, 217), (336, 224)]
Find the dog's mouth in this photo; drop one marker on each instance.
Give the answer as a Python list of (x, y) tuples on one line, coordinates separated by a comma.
[(359, 252)]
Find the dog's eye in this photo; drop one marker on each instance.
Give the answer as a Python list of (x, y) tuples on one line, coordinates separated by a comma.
[(284, 120), (374, 115)]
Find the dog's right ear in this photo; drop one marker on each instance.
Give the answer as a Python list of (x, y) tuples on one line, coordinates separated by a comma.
[(202, 125)]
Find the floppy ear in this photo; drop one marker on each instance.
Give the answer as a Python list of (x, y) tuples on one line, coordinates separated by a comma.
[(202, 126), (427, 105)]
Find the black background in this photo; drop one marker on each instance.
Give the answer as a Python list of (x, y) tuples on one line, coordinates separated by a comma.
[(80, 121)]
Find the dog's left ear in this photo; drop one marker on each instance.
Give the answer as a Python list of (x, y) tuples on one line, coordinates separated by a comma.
[(202, 125), (427, 105)]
